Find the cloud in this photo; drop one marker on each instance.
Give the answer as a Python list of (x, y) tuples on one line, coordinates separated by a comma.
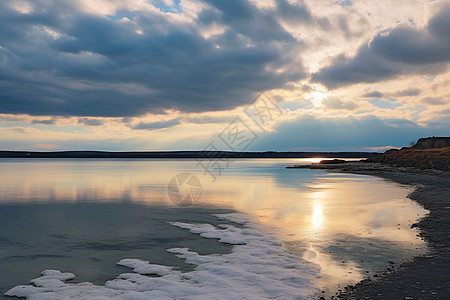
[(90, 122), (373, 94), (350, 31), (64, 58), (409, 92), (336, 103), (404, 49), (44, 122), (297, 13), (156, 125), (208, 119), (434, 101), (403, 93)]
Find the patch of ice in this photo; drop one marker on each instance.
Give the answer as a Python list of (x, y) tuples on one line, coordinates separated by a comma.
[(144, 267), (256, 268)]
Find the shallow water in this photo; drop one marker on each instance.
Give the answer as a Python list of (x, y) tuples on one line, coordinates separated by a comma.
[(83, 216)]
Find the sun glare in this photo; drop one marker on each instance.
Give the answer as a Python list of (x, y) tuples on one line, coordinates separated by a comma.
[(317, 216), (317, 98), (312, 160)]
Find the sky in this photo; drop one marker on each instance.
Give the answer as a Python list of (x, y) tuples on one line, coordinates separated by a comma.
[(243, 75)]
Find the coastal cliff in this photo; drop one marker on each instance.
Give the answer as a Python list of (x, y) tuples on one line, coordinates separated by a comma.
[(427, 153)]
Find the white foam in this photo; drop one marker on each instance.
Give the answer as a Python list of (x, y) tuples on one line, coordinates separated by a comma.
[(256, 268), (144, 267)]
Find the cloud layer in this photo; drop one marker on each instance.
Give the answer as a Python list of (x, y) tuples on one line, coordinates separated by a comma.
[(402, 50), (172, 74), (59, 58)]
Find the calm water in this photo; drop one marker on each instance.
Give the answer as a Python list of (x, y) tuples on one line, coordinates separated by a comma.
[(83, 216)]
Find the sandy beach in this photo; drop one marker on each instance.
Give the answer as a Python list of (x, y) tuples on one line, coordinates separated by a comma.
[(426, 276)]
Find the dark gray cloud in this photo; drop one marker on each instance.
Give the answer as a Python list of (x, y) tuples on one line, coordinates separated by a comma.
[(404, 49), (409, 92), (403, 93), (364, 67), (98, 66), (44, 122), (373, 94), (295, 13), (209, 119), (90, 122), (156, 125)]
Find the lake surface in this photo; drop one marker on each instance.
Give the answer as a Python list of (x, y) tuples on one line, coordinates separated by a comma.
[(85, 215)]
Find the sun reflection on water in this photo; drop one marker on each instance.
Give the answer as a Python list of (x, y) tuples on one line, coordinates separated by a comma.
[(317, 216)]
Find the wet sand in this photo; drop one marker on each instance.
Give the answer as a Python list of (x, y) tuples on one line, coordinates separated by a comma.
[(426, 276)]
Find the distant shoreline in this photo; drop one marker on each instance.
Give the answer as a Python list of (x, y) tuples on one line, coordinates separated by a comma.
[(208, 155), (426, 276)]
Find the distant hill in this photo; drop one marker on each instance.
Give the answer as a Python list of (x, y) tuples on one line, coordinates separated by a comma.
[(209, 155), (427, 153)]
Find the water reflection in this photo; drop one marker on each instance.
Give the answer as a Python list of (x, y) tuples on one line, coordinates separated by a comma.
[(317, 216), (348, 224)]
